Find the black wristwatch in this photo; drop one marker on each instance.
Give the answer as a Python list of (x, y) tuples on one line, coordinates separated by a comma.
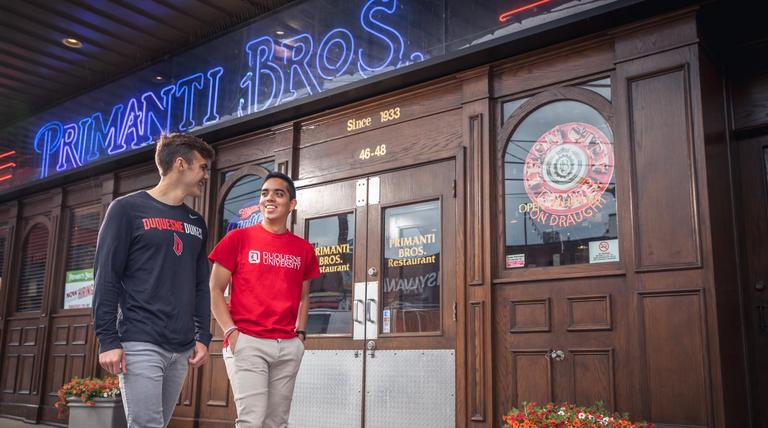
[(303, 333)]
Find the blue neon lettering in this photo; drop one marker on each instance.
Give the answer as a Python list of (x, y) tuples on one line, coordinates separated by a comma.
[(84, 127), (106, 136), (247, 84), (346, 45), (46, 144), (371, 25), (213, 95), (186, 87), (129, 134), (260, 54), (278, 72), (153, 111), (298, 52), (69, 153)]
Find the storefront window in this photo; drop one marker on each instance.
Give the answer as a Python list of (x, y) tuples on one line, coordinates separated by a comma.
[(601, 87), (78, 276), (32, 279), (509, 107), (560, 189), (411, 269), (241, 206), (330, 296)]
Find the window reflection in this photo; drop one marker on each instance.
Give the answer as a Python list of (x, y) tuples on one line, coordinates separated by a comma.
[(411, 280), (241, 206), (330, 297), (560, 189), (81, 252)]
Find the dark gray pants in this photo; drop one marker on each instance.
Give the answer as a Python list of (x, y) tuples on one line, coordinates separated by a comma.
[(152, 383)]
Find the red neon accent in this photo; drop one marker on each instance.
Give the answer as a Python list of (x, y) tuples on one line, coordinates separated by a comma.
[(7, 165), (6, 177), (6, 154), (506, 15)]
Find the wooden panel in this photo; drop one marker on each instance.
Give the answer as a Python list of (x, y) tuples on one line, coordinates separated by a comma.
[(61, 335), (526, 316), (412, 104), (663, 172), (83, 192), (677, 387), (589, 313), (475, 203), (531, 376), (750, 101), (29, 336), (57, 366), (592, 376), (244, 150), (218, 387), (563, 63), (137, 178), (79, 334), (476, 361), (415, 141), (39, 204), (25, 374), (75, 366), (657, 36), (9, 373), (14, 336), (186, 396)]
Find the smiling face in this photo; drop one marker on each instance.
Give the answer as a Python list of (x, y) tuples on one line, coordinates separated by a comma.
[(193, 175), (275, 202)]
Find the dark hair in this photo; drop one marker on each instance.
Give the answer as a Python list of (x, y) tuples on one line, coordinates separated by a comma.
[(281, 176), (173, 146)]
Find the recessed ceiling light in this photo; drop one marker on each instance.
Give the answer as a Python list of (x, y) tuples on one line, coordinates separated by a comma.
[(280, 32), (72, 43), (159, 78)]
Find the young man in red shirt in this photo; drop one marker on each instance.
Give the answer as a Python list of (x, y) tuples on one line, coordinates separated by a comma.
[(270, 270)]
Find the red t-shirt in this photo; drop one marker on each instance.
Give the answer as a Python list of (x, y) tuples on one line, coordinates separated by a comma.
[(268, 271)]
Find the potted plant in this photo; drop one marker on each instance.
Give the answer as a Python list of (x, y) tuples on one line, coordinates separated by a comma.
[(567, 415), (91, 403)]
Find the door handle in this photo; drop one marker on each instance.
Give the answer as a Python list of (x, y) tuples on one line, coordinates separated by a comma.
[(354, 317), (368, 310), (556, 355)]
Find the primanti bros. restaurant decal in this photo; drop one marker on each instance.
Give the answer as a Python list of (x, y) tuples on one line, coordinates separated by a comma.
[(334, 258), (411, 270), (566, 173)]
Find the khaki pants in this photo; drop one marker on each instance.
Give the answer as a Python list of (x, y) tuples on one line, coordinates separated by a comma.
[(262, 373)]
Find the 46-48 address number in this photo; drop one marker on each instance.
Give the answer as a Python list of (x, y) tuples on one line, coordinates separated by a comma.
[(369, 152)]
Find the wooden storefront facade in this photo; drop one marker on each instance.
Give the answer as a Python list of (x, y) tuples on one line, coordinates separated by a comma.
[(672, 329)]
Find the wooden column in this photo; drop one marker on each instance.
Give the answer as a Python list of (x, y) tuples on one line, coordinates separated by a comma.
[(477, 358)]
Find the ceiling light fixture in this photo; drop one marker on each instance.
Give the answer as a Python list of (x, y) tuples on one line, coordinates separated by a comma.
[(72, 42)]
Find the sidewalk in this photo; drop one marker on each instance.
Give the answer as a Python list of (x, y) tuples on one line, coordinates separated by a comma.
[(13, 423)]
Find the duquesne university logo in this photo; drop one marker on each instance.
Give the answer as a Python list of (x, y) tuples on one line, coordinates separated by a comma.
[(274, 259), (178, 246)]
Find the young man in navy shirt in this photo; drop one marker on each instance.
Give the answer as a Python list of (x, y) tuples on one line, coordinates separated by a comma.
[(151, 308)]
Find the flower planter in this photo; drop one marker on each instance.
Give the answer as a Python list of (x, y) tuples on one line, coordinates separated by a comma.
[(106, 413)]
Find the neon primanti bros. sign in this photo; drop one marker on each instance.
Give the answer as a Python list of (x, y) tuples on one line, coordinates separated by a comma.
[(303, 50), (278, 71)]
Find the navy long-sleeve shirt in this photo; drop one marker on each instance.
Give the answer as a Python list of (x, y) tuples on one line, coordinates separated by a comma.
[(151, 275)]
